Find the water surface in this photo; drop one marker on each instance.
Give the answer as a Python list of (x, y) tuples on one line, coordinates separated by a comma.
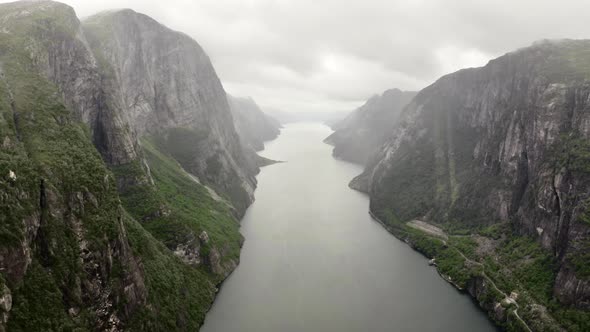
[(314, 260)]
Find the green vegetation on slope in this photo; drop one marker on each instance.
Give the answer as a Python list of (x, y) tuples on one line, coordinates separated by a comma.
[(38, 305), (182, 144), (515, 263), (192, 203), (520, 264), (62, 183), (176, 206), (179, 295), (448, 258), (572, 152)]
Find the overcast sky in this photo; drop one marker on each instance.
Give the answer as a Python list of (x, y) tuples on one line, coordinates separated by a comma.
[(331, 55)]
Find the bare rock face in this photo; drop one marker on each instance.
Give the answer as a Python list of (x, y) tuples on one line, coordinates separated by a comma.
[(505, 142), (363, 131), (168, 89), (204, 238), (60, 52), (188, 253), (252, 125)]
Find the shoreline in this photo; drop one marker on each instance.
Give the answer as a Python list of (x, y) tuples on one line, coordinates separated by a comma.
[(389, 230), (461, 290)]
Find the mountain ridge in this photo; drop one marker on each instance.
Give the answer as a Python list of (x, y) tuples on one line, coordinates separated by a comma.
[(504, 144)]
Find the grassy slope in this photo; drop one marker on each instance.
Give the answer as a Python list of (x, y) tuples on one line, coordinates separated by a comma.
[(177, 205), (179, 295), (176, 208)]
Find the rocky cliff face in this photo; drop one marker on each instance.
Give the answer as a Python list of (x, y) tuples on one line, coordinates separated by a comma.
[(253, 126), (361, 133), (59, 51), (507, 142), (164, 81), (94, 136), (173, 102), (64, 241)]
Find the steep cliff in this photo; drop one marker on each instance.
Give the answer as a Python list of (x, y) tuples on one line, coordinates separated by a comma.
[(72, 256), (169, 90), (64, 239), (253, 126), (188, 147), (358, 135), (505, 143)]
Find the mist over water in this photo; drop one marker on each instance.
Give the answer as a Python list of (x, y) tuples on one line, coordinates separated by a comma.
[(314, 260)]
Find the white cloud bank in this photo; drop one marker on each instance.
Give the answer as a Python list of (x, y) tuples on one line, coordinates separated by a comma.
[(331, 55)]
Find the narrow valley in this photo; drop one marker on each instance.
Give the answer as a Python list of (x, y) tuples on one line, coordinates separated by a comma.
[(294, 165), (314, 260)]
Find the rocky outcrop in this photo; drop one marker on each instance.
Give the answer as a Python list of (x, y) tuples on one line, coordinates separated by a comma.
[(359, 135), (479, 289), (505, 142), (253, 126)]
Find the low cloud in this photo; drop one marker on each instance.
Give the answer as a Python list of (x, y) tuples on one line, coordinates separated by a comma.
[(331, 55)]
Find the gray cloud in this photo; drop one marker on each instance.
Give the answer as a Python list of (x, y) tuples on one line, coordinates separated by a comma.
[(331, 55)]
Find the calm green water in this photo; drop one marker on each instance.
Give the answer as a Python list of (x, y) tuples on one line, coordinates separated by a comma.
[(314, 260)]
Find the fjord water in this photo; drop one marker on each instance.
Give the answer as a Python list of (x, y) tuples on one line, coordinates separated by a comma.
[(314, 260)]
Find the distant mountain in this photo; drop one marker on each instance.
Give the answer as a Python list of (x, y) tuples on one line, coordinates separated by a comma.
[(500, 157), (253, 126), (358, 135)]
